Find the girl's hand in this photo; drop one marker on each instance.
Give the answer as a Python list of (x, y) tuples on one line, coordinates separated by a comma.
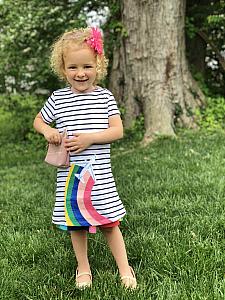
[(52, 135), (79, 142)]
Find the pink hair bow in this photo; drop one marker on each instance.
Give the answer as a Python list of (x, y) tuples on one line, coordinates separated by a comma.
[(95, 40)]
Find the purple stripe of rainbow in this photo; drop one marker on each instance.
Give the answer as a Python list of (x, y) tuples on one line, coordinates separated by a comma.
[(74, 201)]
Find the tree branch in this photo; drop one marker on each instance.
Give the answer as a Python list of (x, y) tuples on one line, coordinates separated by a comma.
[(214, 48)]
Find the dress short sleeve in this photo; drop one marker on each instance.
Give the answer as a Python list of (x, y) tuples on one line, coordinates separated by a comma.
[(112, 106), (48, 110)]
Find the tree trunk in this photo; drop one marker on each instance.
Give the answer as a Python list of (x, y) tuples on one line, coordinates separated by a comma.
[(196, 49), (150, 71)]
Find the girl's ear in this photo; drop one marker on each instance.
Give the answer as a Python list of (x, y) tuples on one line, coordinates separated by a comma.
[(63, 66), (63, 70), (64, 74)]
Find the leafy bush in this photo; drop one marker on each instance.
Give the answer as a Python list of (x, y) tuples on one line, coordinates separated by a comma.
[(16, 117), (212, 116), (136, 132)]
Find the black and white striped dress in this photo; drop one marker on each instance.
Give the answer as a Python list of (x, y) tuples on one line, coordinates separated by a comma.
[(89, 199)]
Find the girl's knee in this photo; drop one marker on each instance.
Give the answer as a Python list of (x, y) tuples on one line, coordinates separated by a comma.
[(78, 233), (109, 230)]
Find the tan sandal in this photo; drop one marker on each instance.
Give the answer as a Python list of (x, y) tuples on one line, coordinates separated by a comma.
[(128, 281), (84, 284)]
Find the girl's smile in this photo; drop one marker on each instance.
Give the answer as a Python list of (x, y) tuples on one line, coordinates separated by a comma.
[(80, 68)]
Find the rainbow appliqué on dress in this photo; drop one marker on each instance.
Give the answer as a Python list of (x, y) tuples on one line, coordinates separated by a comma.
[(79, 210)]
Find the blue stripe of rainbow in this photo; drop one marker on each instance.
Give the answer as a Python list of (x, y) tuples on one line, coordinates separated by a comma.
[(72, 212)]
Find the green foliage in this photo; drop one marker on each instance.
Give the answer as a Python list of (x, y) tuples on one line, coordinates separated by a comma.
[(135, 132), (212, 116), (16, 116), (28, 28), (201, 82), (190, 27), (216, 20), (206, 15), (206, 18)]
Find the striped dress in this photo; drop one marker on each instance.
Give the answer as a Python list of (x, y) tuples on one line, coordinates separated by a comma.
[(86, 194)]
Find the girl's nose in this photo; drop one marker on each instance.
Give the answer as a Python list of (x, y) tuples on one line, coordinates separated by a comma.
[(80, 73)]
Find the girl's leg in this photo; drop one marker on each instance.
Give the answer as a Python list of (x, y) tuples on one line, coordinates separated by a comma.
[(116, 243), (79, 241)]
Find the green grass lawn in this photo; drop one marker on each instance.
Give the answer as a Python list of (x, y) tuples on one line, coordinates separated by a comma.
[(173, 191)]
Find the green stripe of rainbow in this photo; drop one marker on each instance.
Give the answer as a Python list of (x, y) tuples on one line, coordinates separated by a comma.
[(69, 216)]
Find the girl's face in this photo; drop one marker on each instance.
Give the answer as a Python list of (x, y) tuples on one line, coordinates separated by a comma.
[(80, 68)]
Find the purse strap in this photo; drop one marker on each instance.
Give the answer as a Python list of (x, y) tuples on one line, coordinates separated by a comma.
[(64, 134)]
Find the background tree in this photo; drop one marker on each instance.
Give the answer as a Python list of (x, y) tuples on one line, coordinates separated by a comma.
[(148, 69), (151, 67)]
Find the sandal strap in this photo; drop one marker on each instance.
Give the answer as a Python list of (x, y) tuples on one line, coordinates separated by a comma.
[(128, 277), (84, 273), (131, 280)]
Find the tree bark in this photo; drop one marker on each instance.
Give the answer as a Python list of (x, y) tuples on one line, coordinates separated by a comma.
[(150, 71)]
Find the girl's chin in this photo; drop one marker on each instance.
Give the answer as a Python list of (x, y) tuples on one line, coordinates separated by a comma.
[(82, 89)]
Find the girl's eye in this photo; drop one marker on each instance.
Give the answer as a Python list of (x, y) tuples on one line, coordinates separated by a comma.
[(72, 68), (88, 67)]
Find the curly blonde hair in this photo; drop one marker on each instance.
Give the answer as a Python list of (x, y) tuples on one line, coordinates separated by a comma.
[(75, 37)]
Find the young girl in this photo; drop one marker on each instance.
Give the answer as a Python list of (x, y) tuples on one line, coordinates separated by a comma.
[(86, 195)]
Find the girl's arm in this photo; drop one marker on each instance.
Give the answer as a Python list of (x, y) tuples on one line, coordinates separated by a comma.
[(113, 133), (52, 135), (81, 141)]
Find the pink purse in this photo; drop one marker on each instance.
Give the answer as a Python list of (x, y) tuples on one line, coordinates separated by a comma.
[(57, 155)]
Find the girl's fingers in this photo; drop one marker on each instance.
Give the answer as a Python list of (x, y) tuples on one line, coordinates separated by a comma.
[(78, 150), (69, 146), (73, 148), (55, 139)]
